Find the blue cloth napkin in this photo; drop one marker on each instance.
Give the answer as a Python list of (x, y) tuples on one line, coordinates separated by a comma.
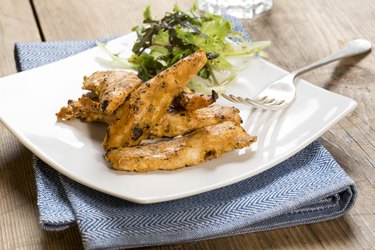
[(307, 188)]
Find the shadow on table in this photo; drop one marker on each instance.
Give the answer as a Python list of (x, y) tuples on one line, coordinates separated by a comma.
[(343, 69)]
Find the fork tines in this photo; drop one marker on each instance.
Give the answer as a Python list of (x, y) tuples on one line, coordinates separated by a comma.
[(264, 102)]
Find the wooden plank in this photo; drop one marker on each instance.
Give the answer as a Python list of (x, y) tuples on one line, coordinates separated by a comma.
[(301, 32), (16, 24), (19, 227), (93, 19), (305, 31), (18, 214)]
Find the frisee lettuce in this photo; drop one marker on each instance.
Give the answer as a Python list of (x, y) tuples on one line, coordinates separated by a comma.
[(161, 43)]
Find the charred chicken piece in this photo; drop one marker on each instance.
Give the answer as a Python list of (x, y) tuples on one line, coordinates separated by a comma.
[(148, 104), (191, 149), (112, 87), (86, 109), (189, 100), (179, 123), (170, 125)]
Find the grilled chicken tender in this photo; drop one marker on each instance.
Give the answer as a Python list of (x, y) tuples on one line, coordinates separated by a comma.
[(170, 125), (189, 100), (196, 147), (112, 87), (147, 104), (85, 109), (179, 123)]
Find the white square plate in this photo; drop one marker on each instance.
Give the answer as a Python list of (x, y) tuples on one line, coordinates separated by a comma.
[(30, 99)]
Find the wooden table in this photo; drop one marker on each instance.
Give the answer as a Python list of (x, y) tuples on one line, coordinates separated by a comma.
[(301, 31)]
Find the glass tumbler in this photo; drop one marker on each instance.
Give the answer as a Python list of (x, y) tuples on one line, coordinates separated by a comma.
[(246, 9)]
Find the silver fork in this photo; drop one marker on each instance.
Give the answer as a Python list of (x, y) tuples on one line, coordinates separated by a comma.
[(280, 93)]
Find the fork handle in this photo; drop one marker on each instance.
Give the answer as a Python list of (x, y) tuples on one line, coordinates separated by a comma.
[(354, 48)]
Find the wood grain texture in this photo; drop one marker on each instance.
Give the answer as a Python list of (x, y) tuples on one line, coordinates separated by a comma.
[(17, 190), (19, 226), (16, 24), (311, 30), (92, 19), (301, 31)]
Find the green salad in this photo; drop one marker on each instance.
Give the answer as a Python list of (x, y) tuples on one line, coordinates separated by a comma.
[(161, 43)]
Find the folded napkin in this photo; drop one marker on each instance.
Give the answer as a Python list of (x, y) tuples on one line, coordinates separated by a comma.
[(307, 188)]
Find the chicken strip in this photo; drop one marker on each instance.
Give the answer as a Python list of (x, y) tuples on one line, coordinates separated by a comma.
[(189, 100), (183, 122), (147, 104), (170, 125), (85, 109), (201, 145), (112, 87)]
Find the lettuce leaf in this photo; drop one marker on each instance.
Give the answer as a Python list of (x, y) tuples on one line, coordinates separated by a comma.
[(161, 43)]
